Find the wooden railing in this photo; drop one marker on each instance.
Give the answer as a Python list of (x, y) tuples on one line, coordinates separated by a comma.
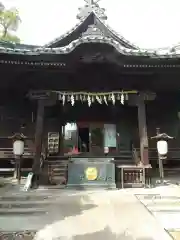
[(173, 157), (7, 158), (6, 153)]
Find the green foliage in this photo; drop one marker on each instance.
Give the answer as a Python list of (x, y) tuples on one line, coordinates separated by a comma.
[(9, 22), (10, 38), (1, 7)]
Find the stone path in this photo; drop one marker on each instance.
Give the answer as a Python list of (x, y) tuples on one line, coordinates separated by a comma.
[(166, 209), (63, 214), (115, 215)]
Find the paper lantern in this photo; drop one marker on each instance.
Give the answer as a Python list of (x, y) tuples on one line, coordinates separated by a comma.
[(18, 147), (162, 147)]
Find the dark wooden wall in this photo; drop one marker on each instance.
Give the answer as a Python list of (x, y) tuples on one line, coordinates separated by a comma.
[(162, 112)]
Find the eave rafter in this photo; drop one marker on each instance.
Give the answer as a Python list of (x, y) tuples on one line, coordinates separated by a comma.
[(61, 65)]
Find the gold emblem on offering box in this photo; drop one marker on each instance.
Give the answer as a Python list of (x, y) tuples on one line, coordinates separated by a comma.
[(91, 173)]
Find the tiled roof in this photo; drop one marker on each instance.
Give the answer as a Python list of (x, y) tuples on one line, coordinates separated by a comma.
[(118, 36), (58, 39), (160, 53), (91, 29)]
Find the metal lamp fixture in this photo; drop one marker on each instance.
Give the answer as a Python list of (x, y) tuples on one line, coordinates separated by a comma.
[(18, 151), (162, 149)]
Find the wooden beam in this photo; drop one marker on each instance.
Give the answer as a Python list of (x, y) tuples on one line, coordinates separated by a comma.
[(143, 129), (38, 137)]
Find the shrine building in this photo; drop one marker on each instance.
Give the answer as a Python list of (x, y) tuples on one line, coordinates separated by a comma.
[(88, 94)]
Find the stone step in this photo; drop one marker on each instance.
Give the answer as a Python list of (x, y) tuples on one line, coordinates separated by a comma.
[(24, 197), (159, 207), (15, 223), (58, 165), (18, 235), (156, 196), (161, 202), (59, 169), (56, 162), (59, 174), (22, 211), (24, 204)]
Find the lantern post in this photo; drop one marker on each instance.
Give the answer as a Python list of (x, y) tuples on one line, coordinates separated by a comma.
[(18, 151), (162, 149)]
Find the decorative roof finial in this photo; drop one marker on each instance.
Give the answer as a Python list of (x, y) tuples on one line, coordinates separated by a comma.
[(92, 6), (91, 2)]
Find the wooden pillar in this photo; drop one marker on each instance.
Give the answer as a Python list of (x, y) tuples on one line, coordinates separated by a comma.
[(143, 130), (38, 137)]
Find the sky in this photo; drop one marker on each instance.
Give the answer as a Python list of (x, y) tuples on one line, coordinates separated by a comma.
[(146, 23)]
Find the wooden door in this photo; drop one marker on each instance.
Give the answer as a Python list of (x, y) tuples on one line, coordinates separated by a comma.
[(96, 138)]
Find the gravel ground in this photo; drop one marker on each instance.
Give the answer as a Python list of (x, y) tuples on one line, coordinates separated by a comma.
[(17, 236)]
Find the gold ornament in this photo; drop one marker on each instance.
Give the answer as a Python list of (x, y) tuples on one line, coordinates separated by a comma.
[(91, 173)]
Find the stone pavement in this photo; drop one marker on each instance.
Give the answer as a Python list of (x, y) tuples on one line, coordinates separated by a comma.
[(66, 214), (114, 215), (164, 204)]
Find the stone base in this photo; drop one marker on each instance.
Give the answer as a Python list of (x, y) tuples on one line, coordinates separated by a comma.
[(91, 186)]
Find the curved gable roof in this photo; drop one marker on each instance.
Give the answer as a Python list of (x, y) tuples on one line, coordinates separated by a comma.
[(90, 29), (90, 15)]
